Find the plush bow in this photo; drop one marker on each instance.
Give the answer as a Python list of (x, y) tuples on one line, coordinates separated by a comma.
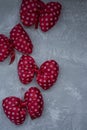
[(6, 49), (16, 109), (19, 40), (34, 12), (46, 75)]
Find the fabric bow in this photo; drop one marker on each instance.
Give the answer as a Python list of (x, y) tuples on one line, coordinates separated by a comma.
[(6, 48), (34, 12), (46, 75), (19, 40), (16, 109)]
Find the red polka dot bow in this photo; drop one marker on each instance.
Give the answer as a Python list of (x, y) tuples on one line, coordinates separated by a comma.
[(19, 40), (6, 48), (46, 75), (16, 109), (34, 12)]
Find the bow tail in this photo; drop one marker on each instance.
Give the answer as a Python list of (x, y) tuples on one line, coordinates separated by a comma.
[(41, 8), (12, 56), (37, 20), (12, 51)]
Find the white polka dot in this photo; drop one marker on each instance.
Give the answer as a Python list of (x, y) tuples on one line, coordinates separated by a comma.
[(26, 48), (12, 117), (3, 105), (13, 99), (6, 106), (32, 106), (35, 95), (33, 5), (36, 110), (3, 50), (55, 7), (13, 105), (22, 115), (23, 75), (49, 81), (51, 23), (18, 121), (48, 6), (26, 22), (38, 100), (54, 13), (33, 14), (58, 5), (28, 6), (55, 18), (35, 9), (51, 14), (35, 104), (57, 12), (27, 18), (47, 24), (8, 112), (18, 34), (30, 99), (31, 94), (8, 116), (24, 8), (40, 97), (17, 114), (46, 19), (46, 14), (31, 23), (51, 9), (22, 46), (42, 28), (26, 2), (17, 117), (20, 40), (32, 90), (13, 113), (0, 54), (18, 109), (5, 46), (32, 19), (28, 14), (14, 108), (41, 103), (44, 81), (22, 119), (42, 19)]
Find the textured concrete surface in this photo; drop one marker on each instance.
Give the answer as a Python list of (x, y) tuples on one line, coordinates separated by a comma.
[(66, 102)]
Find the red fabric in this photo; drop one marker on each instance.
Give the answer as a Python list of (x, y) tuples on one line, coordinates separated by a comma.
[(26, 69), (48, 74), (21, 40), (15, 109), (35, 102), (33, 12), (6, 49)]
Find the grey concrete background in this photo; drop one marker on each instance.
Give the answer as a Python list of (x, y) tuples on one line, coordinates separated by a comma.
[(66, 101)]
